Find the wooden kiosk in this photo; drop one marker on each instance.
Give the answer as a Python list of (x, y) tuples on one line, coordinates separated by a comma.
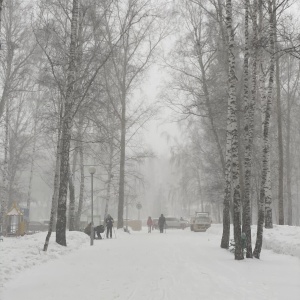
[(14, 221)]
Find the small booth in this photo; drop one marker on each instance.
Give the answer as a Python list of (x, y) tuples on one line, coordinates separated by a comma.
[(14, 221)]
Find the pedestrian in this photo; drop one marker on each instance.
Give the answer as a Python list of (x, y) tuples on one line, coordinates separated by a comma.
[(149, 224), (109, 225), (87, 229), (99, 229), (161, 223)]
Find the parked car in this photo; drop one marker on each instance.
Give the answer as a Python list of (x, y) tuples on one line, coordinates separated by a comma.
[(172, 222), (200, 222)]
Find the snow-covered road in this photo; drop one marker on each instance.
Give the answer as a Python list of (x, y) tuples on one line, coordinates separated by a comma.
[(179, 265)]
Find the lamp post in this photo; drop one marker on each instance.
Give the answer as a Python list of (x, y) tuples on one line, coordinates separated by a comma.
[(92, 171)]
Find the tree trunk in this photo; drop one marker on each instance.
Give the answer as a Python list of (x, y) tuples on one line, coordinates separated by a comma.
[(265, 200), (122, 166), (232, 128), (5, 177), (279, 127), (72, 225), (268, 194), (288, 156), (72, 201), (32, 158), (81, 189), (66, 132), (110, 175), (232, 149), (53, 213), (249, 122)]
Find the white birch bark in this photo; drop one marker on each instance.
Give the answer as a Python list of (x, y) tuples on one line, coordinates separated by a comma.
[(267, 187), (81, 163), (5, 176), (53, 213), (288, 152), (265, 211), (249, 121), (279, 127), (232, 128), (66, 131), (232, 150)]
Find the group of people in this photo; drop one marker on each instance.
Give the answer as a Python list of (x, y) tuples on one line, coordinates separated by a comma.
[(161, 223), (109, 223)]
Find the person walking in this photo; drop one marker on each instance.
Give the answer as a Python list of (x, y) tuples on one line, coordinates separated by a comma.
[(161, 223), (149, 224), (109, 225)]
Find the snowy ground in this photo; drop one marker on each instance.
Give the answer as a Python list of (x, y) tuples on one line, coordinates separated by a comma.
[(140, 266)]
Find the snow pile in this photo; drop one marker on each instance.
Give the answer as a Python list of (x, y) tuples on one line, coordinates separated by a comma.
[(282, 239), (21, 253)]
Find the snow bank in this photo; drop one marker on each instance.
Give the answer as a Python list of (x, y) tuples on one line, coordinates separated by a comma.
[(282, 239), (25, 252)]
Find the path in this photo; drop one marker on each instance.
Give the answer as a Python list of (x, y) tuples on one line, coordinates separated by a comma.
[(181, 265)]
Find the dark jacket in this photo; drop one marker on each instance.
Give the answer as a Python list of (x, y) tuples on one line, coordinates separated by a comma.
[(109, 221), (161, 221), (87, 229)]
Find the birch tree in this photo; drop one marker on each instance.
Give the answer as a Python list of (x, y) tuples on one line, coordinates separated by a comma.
[(249, 122), (232, 151), (279, 126), (63, 62), (265, 192)]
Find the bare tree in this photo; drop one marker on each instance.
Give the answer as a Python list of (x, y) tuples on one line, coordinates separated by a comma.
[(135, 21)]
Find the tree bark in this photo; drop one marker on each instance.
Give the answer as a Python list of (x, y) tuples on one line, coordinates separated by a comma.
[(232, 149), (66, 132), (5, 177), (249, 122), (288, 155), (81, 188), (72, 198), (53, 213), (267, 186), (265, 201), (32, 157), (109, 178), (232, 128), (279, 128), (122, 166)]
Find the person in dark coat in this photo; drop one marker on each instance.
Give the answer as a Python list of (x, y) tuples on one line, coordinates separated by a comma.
[(99, 229), (161, 223), (87, 229), (149, 224), (109, 225)]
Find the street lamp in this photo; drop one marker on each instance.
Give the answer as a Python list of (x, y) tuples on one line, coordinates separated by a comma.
[(92, 171)]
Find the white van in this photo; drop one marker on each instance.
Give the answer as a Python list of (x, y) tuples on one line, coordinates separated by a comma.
[(200, 222)]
